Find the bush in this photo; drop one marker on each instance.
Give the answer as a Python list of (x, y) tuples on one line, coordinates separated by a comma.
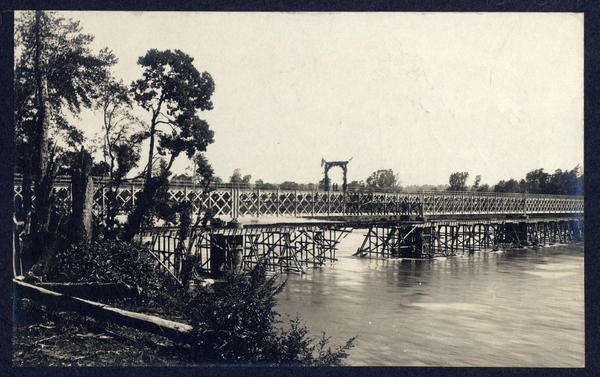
[(112, 261), (234, 322)]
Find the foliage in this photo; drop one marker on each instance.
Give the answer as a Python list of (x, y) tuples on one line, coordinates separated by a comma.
[(235, 323), (56, 73), (383, 179), (567, 182), (172, 90), (289, 185), (120, 143), (356, 186), (237, 177), (476, 183), (458, 181), (265, 185), (511, 185), (70, 67), (113, 261)]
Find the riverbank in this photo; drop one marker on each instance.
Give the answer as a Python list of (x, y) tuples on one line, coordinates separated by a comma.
[(64, 338)]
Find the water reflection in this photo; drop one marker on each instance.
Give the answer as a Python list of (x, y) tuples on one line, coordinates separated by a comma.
[(512, 308)]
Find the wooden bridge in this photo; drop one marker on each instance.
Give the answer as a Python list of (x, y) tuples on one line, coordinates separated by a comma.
[(399, 224)]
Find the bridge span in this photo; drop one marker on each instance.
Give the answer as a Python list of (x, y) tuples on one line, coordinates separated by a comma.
[(296, 246), (236, 202), (291, 230)]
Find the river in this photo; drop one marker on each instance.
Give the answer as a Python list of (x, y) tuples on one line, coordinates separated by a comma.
[(522, 308)]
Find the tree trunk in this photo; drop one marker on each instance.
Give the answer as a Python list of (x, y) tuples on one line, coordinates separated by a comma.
[(150, 155), (83, 198), (42, 183)]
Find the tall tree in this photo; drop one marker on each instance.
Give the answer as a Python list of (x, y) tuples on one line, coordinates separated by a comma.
[(56, 73), (120, 143), (172, 90), (458, 181)]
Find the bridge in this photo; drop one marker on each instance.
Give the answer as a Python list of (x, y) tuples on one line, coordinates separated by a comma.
[(296, 229), (235, 202)]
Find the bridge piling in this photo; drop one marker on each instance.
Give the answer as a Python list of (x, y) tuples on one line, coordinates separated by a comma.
[(433, 238)]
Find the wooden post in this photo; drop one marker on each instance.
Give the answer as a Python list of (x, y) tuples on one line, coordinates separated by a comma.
[(258, 202), (295, 202), (277, 203), (226, 253)]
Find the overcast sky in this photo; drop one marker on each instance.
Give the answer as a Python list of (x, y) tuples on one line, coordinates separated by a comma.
[(422, 94)]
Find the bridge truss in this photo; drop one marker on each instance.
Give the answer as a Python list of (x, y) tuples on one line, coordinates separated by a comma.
[(256, 202)]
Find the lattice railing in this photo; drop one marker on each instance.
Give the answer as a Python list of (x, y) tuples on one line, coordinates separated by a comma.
[(242, 202)]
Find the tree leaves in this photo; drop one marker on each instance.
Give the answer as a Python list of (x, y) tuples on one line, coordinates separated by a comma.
[(235, 323)]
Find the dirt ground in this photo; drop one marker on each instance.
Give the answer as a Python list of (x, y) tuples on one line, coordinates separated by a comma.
[(44, 337)]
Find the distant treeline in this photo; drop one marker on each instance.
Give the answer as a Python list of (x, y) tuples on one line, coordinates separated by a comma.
[(561, 182)]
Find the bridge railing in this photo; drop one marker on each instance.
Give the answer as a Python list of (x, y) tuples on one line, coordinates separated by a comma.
[(255, 202)]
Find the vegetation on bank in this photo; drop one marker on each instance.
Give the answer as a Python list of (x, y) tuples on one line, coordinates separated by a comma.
[(57, 75), (235, 321)]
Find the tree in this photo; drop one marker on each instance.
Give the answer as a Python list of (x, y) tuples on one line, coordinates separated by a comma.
[(383, 179), (236, 322), (537, 182), (475, 186), (458, 181), (568, 182), (512, 185), (356, 186), (56, 73), (172, 90), (182, 177), (238, 179), (289, 185), (264, 185), (120, 141)]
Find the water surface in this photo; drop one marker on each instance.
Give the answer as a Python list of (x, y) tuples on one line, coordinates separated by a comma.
[(515, 308)]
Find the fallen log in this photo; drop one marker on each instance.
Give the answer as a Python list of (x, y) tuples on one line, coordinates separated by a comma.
[(175, 331), (91, 291)]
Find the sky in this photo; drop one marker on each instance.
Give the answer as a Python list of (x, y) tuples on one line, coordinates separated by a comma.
[(424, 94)]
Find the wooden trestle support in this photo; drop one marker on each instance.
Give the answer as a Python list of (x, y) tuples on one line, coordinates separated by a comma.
[(284, 249), (428, 239)]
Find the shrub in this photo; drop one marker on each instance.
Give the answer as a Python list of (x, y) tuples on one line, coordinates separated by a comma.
[(113, 261), (234, 322)]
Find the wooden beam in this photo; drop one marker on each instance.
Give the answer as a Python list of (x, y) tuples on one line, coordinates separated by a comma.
[(173, 330)]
